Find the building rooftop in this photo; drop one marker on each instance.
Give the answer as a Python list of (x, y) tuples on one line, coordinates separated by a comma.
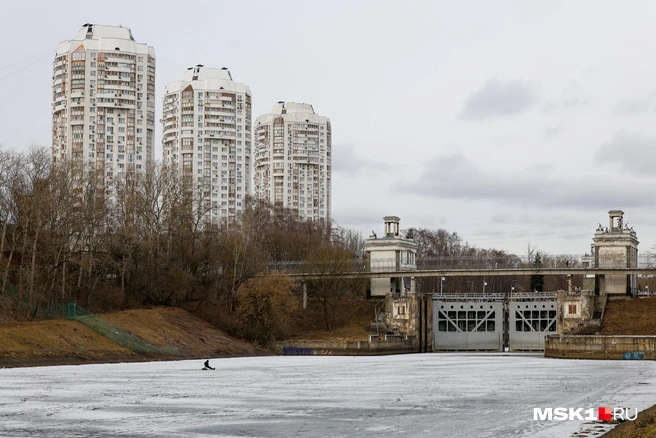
[(207, 78), (295, 112), (201, 73), (101, 37), (292, 108), (104, 31)]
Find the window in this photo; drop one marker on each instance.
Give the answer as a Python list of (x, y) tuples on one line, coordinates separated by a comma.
[(572, 309)]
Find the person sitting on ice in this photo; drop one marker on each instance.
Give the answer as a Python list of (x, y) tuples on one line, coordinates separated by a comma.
[(207, 365)]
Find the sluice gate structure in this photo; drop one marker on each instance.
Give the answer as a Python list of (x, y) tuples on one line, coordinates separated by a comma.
[(493, 322)]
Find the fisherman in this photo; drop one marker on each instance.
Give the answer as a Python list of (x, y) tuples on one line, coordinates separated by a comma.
[(207, 365)]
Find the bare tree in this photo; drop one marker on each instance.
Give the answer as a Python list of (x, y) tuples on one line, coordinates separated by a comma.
[(328, 262), (264, 304)]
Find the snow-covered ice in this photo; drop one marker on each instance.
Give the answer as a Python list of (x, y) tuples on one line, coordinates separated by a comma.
[(420, 395)]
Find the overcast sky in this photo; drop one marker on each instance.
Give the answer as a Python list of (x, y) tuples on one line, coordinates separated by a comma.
[(508, 122)]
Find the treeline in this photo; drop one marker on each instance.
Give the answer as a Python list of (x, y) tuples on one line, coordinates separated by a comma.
[(68, 236)]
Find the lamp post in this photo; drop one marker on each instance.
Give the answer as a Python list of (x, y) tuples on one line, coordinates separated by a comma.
[(484, 284), (647, 287), (441, 285)]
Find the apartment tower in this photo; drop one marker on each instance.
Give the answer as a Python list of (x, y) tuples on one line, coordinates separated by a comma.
[(103, 102), (207, 138), (292, 160)]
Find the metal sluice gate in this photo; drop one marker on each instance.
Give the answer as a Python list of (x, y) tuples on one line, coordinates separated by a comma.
[(493, 322)]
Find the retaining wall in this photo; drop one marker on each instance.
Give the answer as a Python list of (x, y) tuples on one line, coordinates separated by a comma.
[(601, 347), (346, 348)]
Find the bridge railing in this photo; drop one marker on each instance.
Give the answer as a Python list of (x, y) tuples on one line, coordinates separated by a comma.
[(451, 263), (511, 296), (302, 267)]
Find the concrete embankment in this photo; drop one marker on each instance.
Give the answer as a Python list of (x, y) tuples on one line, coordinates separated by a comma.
[(346, 348), (601, 347)]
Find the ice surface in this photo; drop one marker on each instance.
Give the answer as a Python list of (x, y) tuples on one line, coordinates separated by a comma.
[(420, 395)]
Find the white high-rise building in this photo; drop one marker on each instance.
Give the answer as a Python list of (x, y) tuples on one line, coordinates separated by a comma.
[(292, 159), (207, 137), (103, 102)]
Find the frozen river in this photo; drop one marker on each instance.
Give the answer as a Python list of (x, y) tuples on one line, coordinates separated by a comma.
[(427, 395)]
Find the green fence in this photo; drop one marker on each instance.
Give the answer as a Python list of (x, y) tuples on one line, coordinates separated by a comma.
[(116, 334), (8, 289), (52, 311), (123, 338)]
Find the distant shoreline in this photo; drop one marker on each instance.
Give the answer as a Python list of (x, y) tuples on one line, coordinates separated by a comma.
[(62, 361)]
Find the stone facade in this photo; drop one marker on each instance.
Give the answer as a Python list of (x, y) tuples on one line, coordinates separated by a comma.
[(401, 313), (616, 246), (391, 252), (579, 311)]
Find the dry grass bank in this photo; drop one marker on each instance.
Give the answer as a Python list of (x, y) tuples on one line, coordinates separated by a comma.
[(58, 341)]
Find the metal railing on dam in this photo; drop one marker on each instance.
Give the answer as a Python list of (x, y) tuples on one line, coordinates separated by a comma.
[(507, 262), (509, 296), (474, 272)]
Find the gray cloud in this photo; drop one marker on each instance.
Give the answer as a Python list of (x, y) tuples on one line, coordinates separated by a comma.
[(636, 105), (500, 98), (573, 96), (501, 218), (633, 152), (456, 177), (552, 132), (346, 160)]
